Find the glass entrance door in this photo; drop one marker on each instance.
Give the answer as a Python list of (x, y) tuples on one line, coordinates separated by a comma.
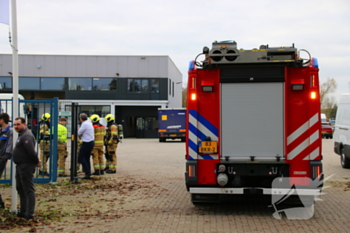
[(140, 126)]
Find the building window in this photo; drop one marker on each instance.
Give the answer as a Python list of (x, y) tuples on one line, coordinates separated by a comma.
[(134, 85), (101, 110), (104, 84), (26, 83), (80, 84), (144, 85), (169, 86), (173, 89), (155, 85), (138, 85), (52, 84), (5, 83)]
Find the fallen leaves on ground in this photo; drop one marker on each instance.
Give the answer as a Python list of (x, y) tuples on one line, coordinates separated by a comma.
[(101, 197)]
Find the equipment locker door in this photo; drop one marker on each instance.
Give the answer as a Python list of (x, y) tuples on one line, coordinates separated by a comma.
[(252, 120)]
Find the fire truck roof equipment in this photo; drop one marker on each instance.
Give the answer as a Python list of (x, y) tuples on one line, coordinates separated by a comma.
[(226, 52)]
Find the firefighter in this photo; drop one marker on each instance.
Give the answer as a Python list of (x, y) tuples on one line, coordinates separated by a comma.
[(44, 143), (111, 141), (62, 146), (97, 151)]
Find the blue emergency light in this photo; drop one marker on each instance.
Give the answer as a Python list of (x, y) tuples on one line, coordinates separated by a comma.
[(227, 41), (191, 66), (315, 62)]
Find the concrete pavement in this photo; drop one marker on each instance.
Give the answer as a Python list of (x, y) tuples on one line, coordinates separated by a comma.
[(158, 200)]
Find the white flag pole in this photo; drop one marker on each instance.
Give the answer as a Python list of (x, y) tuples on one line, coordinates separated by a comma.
[(15, 94)]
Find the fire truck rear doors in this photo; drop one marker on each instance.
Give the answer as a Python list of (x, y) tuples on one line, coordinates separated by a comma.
[(252, 113)]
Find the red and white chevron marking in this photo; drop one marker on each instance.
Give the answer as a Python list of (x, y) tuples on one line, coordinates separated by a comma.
[(302, 133)]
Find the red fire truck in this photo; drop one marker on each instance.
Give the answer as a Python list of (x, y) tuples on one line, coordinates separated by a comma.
[(252, 116)]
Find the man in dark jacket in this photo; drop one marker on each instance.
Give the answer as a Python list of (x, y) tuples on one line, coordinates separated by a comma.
[(5, 146), (26, 159)]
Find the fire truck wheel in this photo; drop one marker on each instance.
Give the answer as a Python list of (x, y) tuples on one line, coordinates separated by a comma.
[(345, 162)]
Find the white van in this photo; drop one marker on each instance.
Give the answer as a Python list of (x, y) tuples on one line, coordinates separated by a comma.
[(342, 130), (6, 105)]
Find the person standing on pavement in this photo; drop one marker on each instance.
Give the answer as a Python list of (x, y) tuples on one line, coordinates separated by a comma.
[(86, 132), (44, 143), (111, 141), (97, 152), (26, 159), (5, 146), (62, 146)]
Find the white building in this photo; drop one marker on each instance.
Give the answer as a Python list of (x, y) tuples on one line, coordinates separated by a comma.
[(130, 87)]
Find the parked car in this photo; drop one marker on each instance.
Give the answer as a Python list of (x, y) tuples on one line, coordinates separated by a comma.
[(327, 130)]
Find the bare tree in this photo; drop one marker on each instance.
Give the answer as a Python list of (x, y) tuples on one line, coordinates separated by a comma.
[(327, 88), (184, 97)]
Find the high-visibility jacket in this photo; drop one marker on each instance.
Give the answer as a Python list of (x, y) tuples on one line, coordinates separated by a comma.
[(62, 133), (100, 132)]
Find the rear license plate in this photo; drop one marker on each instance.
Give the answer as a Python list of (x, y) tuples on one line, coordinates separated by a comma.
[(173, 135), (324, 131), (208, 147)]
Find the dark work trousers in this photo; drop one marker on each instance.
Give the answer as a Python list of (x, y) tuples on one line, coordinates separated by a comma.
[(2, 168), (84, 156), (25, 187)]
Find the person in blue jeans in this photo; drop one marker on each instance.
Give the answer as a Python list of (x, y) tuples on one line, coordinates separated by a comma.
[(87, 134)]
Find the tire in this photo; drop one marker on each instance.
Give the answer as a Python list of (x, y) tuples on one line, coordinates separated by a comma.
[(345, 162), (331, 137)]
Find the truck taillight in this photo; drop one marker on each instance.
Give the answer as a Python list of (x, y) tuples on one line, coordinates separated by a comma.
[(313, 81), (313, 95), (193, 96), (316, 169), (318, 172), (191, 170)]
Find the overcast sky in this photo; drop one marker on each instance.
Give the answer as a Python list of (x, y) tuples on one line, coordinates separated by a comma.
[(181, 28)]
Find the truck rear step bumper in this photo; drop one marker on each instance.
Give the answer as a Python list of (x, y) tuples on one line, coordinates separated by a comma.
[(264, 191)]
